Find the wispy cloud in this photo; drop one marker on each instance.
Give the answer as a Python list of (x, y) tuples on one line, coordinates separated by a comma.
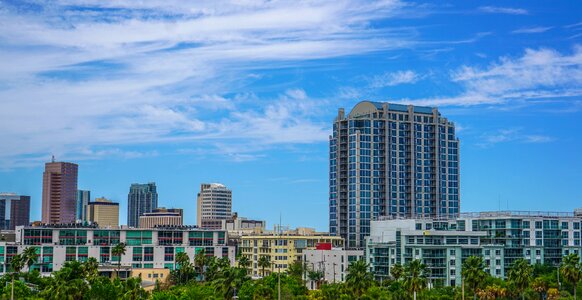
[(503, 10), (539, 73), (83, 74), (537, 29), (394, 78), (511, 135)]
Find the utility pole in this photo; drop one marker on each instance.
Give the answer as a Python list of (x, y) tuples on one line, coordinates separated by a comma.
[(334, 272)]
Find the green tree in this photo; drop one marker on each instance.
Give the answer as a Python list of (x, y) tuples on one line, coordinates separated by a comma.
[(540, 285), (30, 257), (359, 278), (132, 289), (315, 276), (473, 273), (244, 262), (397, 271), (200, 262), (185, 271), (118, 250), (91, 268), (520, 274), (16, 264), (415, 277), (570, 270), (296, 270), (230, 281), (264, 262)]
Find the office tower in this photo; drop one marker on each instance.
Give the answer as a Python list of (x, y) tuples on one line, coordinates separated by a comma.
[(59, 192), (14, 211), (214, 205), (162, 216), (104, 212), (390, 160), (83, 199), (142, 198)]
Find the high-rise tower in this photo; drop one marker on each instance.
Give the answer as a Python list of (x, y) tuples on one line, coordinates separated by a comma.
[(214, 205), (142, 198), (14, 211), (390, 160), (59, 192), (83, 199)]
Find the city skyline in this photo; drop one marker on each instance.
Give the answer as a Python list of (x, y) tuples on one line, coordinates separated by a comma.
[(246, 96)]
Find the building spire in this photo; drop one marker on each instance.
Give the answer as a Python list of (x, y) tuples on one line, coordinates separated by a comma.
[(53, 159)]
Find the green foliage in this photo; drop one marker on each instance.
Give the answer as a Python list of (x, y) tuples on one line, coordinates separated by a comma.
[(473, 272), (218, 280), (571, 271), (415, 276), (359, 278), (520, 275)]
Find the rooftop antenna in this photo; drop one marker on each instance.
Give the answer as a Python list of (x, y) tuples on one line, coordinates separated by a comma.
[(53, 159)]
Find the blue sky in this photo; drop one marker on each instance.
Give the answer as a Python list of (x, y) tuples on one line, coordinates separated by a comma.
[(244, 93)]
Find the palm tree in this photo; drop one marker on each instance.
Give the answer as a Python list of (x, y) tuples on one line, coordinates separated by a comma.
[(416, 277), (243, 262), (183, 261), (315, 276), (118, 250), (91, 267), (264, 262), (570, 270), (359, 278), (473, 273), (296, 270), (16, 263), (397, 271), (230, 280), (520, 274), (540, 286), (200, 262), (30, 256)]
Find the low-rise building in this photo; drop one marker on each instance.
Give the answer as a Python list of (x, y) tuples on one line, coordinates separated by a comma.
[(145, 248), (149, 277), (282, 248), (499, 237), (162, 216), (104, 212), (333, 263), (240, 226)]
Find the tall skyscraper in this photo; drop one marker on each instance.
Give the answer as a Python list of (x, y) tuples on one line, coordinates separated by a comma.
[(390, 160), (142, 198), (14, 211), (59, 192), (104, 212), (214, 205), (83, 199)]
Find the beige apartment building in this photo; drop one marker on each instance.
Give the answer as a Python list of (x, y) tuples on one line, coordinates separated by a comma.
[(103, 212), (282, 248), (162, 216)]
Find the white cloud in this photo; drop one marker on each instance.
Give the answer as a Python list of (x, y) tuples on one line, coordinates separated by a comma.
[(503, 10), (511, 135), (80, 74), (537, 29), (539, 73), (395, 78)]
